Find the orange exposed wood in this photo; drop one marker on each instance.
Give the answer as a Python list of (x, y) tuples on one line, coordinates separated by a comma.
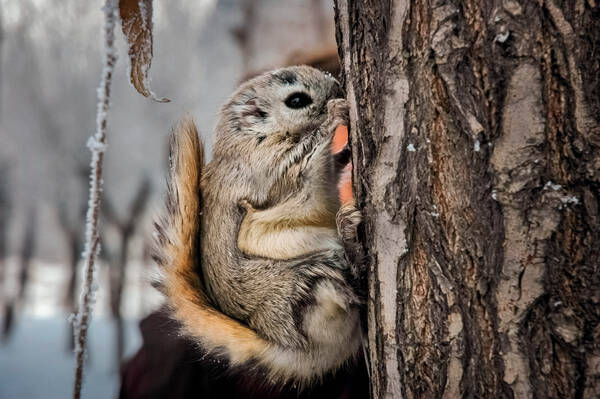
[(345, 184)]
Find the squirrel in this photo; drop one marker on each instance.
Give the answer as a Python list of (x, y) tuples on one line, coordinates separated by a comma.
[(253, 245)]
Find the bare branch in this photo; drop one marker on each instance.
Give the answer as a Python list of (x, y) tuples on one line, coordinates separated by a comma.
[(97, 145)]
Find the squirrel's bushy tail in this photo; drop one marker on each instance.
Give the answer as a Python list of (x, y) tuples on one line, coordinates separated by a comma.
[(177, 252)]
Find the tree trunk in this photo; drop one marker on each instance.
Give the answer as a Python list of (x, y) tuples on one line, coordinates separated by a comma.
[(475, 135)]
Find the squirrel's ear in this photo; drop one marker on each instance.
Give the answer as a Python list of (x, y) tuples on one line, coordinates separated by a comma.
[(251, 112)]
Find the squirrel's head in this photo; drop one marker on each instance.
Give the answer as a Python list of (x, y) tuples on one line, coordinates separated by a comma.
[(271, 124)]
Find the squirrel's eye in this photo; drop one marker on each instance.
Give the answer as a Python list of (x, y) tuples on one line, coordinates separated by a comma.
[(298, 100)]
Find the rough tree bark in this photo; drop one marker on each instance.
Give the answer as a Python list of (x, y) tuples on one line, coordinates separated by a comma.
[(475, 130)]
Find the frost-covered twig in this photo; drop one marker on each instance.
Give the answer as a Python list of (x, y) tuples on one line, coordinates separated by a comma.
[(97, 145)]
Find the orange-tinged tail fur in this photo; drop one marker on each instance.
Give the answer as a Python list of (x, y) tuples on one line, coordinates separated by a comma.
[(178, 254)]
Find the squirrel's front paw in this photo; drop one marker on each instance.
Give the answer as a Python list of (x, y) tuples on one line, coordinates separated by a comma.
[(348, 219), (337, 114)]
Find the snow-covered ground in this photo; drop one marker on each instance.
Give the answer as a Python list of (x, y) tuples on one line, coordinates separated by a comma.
[(36, 361), (37, 364)]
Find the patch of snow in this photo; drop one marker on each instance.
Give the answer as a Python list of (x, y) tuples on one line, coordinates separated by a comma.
[(569, 200), (476, 146), (411, 148), (502, 37), (549, 185)]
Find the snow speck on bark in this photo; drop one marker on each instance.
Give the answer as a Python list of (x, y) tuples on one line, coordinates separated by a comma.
[(550, 185)]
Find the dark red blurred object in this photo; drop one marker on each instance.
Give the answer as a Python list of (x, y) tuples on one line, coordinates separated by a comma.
[(169, 366)]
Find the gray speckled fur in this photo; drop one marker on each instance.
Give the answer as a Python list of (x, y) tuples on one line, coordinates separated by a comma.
[(263, 223), (258, 142)]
